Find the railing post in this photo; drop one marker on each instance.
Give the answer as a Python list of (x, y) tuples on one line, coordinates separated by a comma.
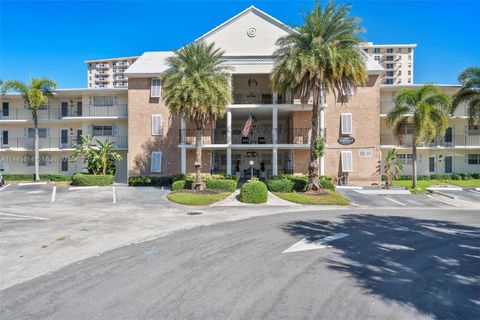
[(274, 124), (229, 127)]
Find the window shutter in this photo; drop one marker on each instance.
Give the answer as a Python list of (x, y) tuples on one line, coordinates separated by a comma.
[(156, 161), (155, 88), (114, 131), (157, 125), (347, 165), (346, 119)]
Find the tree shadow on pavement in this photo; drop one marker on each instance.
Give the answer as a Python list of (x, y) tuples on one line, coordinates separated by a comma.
[(431, 265)]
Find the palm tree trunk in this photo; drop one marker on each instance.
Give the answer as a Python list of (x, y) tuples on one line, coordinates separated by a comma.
[(198, 185), (313, 181), (36, 146), (414, 165)]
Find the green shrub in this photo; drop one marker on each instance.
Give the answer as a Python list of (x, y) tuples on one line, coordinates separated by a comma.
[(178, 177), (441, 176), (325, 184), (31, 177), (456, 176), (226, 185), (182, 184), (254, 192), (208, 176), (81, 179), (149, 181), (280, 185), (475, 175), (466, 176)]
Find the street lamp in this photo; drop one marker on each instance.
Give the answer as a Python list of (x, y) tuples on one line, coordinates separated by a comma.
[(251, 169)]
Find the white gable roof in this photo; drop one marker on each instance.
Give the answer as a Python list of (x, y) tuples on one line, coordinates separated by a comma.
[(149, 64)]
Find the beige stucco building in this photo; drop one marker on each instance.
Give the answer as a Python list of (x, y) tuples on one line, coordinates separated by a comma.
[(108, 73), (154, 142)]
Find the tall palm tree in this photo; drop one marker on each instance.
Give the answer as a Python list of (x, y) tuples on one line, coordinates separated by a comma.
[(427, 109), (35, 94), (469, 93), (196, 87), (318, 58)]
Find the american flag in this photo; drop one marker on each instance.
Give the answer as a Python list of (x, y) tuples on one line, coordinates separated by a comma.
[(248, 125)]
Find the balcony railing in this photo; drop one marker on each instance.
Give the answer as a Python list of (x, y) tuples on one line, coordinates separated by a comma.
[(119, 110), (27, 143), (257, 136), (257, 98), (453, 141), (387, 106), (103, 66)]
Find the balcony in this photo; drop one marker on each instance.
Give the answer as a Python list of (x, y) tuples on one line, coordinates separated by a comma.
[(386, 107), (121, 77), (119, 71), (454, 141), (121, 64), (258, 137), (257, 98), (119, 110), (101, 73), (104, 79), (49, 143), (103, 66), (120, 84)]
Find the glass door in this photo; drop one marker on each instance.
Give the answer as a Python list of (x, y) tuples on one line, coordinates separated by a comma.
[(448, 164)]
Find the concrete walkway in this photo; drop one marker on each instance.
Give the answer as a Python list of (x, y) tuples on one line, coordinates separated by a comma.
[(233, 200)]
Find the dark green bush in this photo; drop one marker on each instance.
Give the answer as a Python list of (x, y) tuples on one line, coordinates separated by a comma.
[(182, 184), (325, 184), (149, 181), (81, 179), (226, 185), (466, 176), (254, 192), (456, 176), (441, 176), (178, 177), (43, 176), (475, 175), (280, 185)]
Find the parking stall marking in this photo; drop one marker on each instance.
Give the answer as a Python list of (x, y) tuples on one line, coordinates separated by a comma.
[(31, 183), (11, 216), (395, 201), (54, 192), (444, 201), (5, 187), (114, 195)]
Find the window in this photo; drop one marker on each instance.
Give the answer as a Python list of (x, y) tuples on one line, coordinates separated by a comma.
[(389, 58), (431, 164), (376, 50), (474, 159), (347, 165), (5, 109), (100, 130), (409, 65), (399, 50), (409, 72), (42, 132), (365, 153), (407, 128), (366, 50), (399, 73), (474, 130), (155, 88), (5, 137), (389, 50), (409, 50), (409, 80), (346, 119), (157, 125), (409, 57), (103, 101), (388, 81), (405, 159), (389, 66), (377, 58), (156, 161), (389, 73)]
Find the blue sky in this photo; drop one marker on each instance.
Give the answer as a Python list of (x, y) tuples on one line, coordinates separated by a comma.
[(40, 38)]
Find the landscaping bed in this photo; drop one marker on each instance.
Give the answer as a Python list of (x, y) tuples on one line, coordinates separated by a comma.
[(422, 185), (196, 198), (322, 197)]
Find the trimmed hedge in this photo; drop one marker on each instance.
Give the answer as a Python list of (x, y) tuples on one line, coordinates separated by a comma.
[(325, 184), (221, 185), (280, 185), (254, 192), (81, 179), (149, 181), (169, 180), (43, 176), (441, 176), (208, 176), (182, 184), (298, 183)]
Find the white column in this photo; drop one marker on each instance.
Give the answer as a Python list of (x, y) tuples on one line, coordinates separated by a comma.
[(274, 124), (229, 127), (275, 162), (229, 160), (183, 130), (322, 134), (184, 160), (275, 97)]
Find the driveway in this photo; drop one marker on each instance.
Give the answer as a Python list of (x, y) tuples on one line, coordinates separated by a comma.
[(343, 264)]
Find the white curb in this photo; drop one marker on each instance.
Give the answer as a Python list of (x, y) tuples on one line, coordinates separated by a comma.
[(31, 183), (82, 188)]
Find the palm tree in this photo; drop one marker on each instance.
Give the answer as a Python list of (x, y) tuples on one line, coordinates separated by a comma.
[(35, 94), (196, 87), (391, 163), (427, 110), (469, 93), (319, 58)]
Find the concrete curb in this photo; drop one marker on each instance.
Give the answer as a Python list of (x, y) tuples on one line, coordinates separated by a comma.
[(442, 193), (444, 189)]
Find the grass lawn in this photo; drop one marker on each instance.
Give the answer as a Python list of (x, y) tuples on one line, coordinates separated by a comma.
[(196, 199), (424, 184), (332, 198)]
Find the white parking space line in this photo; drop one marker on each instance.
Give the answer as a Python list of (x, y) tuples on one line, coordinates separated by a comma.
[(395, 201), (31, 183), (114, 195), (5, 187), (444, 201), (11, 216), (54, 192), (474, 191), (304, 245), (82, 188)]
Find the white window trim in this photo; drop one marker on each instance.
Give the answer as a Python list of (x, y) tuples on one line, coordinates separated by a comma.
[(346, 123), (347, 161), (155, 90), (156, 163), (157, 124)]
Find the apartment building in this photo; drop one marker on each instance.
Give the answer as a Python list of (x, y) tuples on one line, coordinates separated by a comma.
[(396, 59), (68, 115), (160, 143), (108, 73)]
